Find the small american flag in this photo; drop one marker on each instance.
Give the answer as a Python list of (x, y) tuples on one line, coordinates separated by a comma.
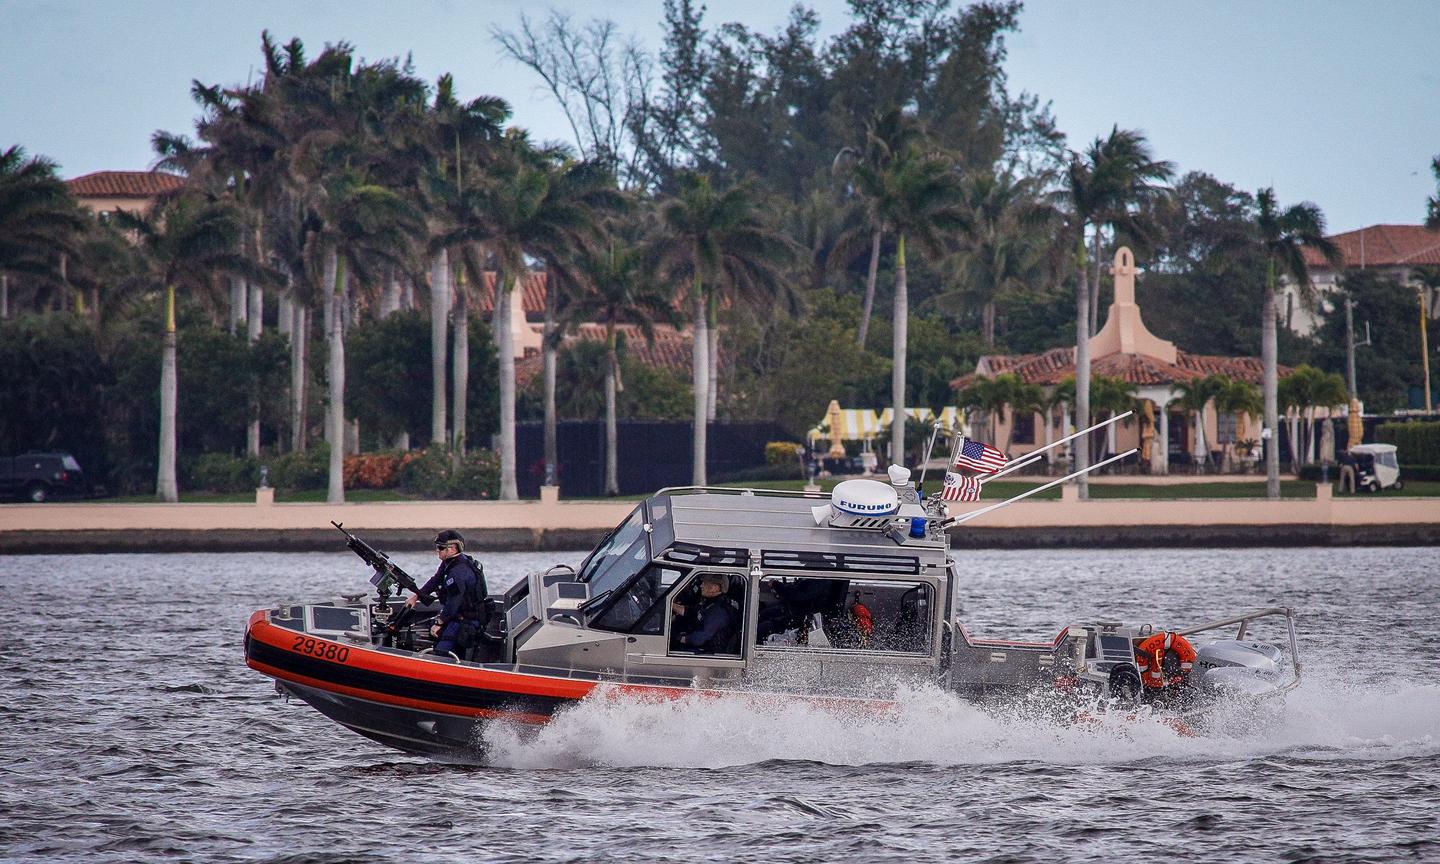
[(958, 487), (979, 457)]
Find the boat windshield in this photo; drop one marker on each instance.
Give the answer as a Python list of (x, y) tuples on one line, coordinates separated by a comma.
[(619, 557), (636, 608)]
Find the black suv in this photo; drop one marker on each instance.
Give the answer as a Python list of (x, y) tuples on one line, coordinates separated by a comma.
[(41, 476)]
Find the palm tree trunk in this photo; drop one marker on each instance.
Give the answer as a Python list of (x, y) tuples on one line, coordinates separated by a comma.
[(4, 297), (237, 303), (257, 323), (987, 323), (700, 382), (165, 486), (712, 345), (461, 371), (299, 348), (1081, 445), (439, 311), (285, 314), (870, 287), (390, 301), (549, 350), (1095, 285), (505, 343), (1268, 353), (898, 350), (612, 442), (335, 371)]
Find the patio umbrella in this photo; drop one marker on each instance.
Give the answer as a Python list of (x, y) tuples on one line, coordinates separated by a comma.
[(832, 415)]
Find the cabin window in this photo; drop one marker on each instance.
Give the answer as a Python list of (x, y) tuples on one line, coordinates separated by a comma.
[(637, 607), (1023, 431), (845, 614), (707, 615), (620, 557)]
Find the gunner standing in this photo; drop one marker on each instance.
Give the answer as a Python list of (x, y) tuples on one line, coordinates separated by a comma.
[(460, 583)]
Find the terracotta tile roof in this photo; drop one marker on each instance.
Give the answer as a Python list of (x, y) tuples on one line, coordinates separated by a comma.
[(532, 293), (670, 350), (124, 184), (1383, 246), (1051, 367)]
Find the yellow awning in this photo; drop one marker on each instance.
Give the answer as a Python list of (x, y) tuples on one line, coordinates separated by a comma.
[(856, 424)]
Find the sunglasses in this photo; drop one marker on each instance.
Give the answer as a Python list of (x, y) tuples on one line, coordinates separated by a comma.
[(441, 547)]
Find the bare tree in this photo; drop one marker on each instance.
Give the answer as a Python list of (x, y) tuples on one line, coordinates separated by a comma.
[(599, 78)]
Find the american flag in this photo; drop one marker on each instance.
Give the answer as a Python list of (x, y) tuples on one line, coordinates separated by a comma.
[(979, 457), (958, 487)]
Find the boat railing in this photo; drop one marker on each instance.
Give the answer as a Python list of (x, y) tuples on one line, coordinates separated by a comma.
[(740, 490)]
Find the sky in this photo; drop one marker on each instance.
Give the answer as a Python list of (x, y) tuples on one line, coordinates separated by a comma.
[(1329, 102)]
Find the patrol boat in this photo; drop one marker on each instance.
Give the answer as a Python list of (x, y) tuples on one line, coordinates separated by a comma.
[(838, 599)]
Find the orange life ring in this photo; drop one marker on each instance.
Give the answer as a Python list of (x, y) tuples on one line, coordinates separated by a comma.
[(1150, 657)]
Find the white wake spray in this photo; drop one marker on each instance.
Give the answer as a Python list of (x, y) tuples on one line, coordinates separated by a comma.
[(1324, 718)]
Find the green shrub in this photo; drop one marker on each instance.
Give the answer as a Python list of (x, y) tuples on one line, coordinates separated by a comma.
[(1416, 443), (432, 473), (428, 473), (478, 477), (1419, 472), (220, 472), (307, 470), (779, 453)]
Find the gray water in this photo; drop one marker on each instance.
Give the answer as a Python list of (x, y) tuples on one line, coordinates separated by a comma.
[(132, 731)]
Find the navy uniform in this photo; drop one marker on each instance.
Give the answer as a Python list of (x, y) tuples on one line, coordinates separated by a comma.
[(459, 582), (708, 625)]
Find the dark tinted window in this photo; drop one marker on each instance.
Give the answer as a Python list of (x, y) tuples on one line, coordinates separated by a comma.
[(632, 609)]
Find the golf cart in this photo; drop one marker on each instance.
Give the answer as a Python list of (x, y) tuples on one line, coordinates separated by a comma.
[(1370, 467)]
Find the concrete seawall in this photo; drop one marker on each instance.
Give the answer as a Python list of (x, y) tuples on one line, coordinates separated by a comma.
[(554, 525)]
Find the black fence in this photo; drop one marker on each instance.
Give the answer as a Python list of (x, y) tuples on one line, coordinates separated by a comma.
[(652, 454)]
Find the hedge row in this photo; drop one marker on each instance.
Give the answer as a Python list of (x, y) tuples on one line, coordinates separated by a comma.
[(433, 473), (1417, 443)]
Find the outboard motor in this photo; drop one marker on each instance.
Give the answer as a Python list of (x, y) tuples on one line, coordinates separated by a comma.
[(1238, 668)]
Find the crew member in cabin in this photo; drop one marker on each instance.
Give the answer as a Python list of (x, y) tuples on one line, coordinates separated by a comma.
[(709, 624), (460, 583)]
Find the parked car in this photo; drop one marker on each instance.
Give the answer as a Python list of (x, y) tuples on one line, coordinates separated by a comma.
[(39, 477), (1373, 467)]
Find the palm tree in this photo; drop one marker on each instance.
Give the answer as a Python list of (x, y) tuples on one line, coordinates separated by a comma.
[(1111, 396), (715, 241), (459, 137), (1283, 236), (1242, 399), (1003, 244), (919, 201), (887, 137), (1102, 187), (340, 126), (618, 293), (189, 242), (39, 221), (1127, 178), (1195, 394), (535, 203), (1302, 391)]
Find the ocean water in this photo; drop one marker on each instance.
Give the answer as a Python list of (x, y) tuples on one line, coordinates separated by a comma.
[(133, 731)]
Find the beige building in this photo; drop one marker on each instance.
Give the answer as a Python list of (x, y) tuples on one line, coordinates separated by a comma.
[(1126, 350), (105, 192), (1391, 250)]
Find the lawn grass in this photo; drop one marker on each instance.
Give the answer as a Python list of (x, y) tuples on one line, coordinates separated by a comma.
[(282, 496), (999, 490)]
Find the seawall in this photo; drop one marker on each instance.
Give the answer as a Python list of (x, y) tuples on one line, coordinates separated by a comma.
[(570, 525)]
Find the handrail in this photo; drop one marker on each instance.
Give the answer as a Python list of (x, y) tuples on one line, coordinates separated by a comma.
[(741, 490)]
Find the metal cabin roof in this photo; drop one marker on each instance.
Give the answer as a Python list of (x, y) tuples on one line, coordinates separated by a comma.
[(773, 523)]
